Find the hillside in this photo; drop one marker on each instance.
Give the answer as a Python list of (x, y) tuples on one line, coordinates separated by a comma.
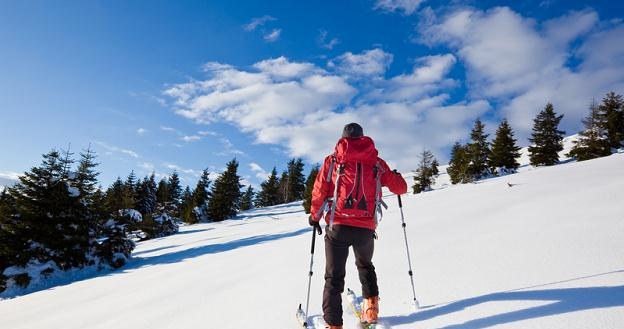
[(545, 253)]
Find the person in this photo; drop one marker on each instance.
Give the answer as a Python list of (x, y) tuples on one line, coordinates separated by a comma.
[(358, 171)]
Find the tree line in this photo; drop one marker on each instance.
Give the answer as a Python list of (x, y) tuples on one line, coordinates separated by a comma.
[(58, 217), (602, 135)]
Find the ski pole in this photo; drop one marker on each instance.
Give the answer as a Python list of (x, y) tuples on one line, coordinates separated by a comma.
[(303, 317), (409, 262)]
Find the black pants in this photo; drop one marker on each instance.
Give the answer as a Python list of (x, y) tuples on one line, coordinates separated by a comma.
[(338, 239)]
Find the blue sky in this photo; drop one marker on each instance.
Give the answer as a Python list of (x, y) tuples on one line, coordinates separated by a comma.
[(187, 85)]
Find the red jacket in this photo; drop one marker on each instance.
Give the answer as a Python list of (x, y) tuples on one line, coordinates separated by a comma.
[(361, 150)]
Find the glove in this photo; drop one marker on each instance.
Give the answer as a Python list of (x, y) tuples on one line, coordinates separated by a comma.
[(316, 225)]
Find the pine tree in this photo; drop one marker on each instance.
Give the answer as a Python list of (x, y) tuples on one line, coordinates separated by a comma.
[(86, 175), (478, 151), (283, 187), (612, 112), (424, 175), (129, 190), (187, 206), (458, 165), (309, 186), (546, 138), (247, 199), (296, 180), (504, 150), (162, 193), (593, 141), (201, 196), (146, 196), (118, 197), (225, 194), (269, 191), (175, 193)]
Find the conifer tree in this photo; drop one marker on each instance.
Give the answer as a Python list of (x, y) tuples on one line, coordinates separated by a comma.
[(546, 138), (283, 187), (296, 180), (593, 141), (247, 199), (175, 193), (225, 194), (162, 193), (118, 197), (269, 191), (86, 175), (186, 207), (504, 150), (129, 190), (146, 195), (201, 196), (309, 186), (612, 111), (424, 175), (458, 165), (478, 151)]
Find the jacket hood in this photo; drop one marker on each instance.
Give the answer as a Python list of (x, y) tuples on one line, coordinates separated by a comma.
[(360, 149)]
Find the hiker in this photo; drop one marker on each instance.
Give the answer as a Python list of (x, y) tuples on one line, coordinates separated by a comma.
[(359, 174)]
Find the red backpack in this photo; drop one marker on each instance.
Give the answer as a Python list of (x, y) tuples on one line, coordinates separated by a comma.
[(356, 177)]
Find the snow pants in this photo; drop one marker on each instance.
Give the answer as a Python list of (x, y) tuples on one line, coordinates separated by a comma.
[(338, 239)]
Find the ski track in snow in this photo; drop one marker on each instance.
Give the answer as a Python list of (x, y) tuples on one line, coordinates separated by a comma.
[(545, 253)]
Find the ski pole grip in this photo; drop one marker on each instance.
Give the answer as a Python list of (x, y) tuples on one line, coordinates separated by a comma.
[(400, 202), (313, 240)]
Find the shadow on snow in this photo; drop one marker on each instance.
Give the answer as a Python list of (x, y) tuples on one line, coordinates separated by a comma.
[(563, 300)]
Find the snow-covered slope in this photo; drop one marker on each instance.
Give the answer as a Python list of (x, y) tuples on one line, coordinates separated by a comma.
[(547, 252)]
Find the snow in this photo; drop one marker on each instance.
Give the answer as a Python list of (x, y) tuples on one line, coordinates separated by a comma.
[(545, 253), (132, 213), (73, 191)]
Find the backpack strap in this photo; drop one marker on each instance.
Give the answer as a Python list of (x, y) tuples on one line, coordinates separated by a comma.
[(379, 202), (339, 172)]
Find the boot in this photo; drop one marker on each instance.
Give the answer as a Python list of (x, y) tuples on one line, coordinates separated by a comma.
[(333, 327), (370, 309)]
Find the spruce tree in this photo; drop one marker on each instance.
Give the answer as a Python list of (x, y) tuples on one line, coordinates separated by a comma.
[(546, 138), (247, 199), (458, 165), (175, 193), (226, 194), (118, 197), (504, 150), (146, 196), (86, 175), (201, 196), (186, 207), (296, 180), (478, 151), (269, 191), (283, 187), (612, 111), (309, 186), (593, 141), (424, 175), (162, 193), (129, 190)]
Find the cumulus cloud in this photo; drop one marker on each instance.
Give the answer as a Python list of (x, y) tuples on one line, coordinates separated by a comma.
[(273, 35), (408, 7), (372, 62), (303, 107), (523, 63), (142, 131)]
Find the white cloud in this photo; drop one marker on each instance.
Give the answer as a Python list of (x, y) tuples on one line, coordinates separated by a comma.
[(192, 172), (8, 178), (408, 7), (207, 133), (192, 138), (523, 63), (147, 166), (116, 149), (303, 107), (142, 131), (169, 129), (325, 42), (257, 22), (261, 174), (229, 148), (273, 35), (372, 62)]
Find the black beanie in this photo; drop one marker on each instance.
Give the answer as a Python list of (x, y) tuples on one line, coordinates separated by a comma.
[(352, 130)]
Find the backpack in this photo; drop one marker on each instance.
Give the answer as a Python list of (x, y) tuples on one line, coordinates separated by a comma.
[(357, 185)]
